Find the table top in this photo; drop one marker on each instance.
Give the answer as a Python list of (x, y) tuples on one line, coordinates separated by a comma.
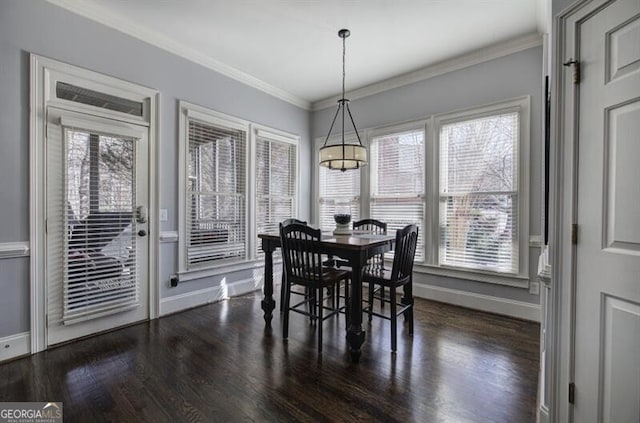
[(357, 240)]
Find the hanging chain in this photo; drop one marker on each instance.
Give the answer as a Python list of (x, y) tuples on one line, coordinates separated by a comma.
[(344, 41)]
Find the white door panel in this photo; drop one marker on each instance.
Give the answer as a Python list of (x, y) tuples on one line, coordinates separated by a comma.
[(607, 319), (97, 248)]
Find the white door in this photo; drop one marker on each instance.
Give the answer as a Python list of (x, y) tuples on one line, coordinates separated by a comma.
[(607, 319), (96, 241)]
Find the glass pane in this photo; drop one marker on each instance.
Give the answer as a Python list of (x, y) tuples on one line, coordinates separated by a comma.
[(479, 231), (398, 213), (116, 174), (100, 246), (479, 155), (399, 164)]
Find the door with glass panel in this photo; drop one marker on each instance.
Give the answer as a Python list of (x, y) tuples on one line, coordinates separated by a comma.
[(96, 224)]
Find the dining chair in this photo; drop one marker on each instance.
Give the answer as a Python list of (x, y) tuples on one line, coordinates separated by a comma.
[(287, 222), (376, 227), (400, 275), (372, 226), (303, 266)]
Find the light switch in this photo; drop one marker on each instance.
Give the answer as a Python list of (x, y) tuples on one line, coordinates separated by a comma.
[(163, 215)]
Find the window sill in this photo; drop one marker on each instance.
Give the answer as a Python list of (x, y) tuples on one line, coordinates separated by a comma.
[(221, 269), (516, 281)]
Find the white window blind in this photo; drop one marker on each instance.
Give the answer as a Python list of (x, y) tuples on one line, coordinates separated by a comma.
[(479, 193), (337, 187), (276, 176), (216, 194), (398, 182), (100, 242)]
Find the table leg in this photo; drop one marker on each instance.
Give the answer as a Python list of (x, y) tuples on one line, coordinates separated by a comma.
[(355, 333), (268, 303)]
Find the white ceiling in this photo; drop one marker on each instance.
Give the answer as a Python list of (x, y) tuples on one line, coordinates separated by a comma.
[(291, 48)]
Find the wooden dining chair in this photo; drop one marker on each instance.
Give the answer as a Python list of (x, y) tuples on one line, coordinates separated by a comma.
[(372, 226), (303, 266), (400, 275), (287, 222), (377, 227)]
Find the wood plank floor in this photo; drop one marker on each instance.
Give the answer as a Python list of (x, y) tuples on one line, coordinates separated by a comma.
[(219, 363)]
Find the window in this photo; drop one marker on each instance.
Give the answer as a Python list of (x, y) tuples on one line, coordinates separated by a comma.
[(237, 179), (464, 182), (398, 181), (216, 199), (480, 188), (276, 181), (337, 188)]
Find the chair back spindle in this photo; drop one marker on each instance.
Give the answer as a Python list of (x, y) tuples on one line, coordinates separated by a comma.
[(371, 225)]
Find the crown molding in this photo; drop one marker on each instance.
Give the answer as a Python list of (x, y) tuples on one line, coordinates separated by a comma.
[(161, 41), (476, 57)]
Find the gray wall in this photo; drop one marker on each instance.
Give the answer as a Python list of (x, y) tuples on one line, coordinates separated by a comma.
[(41, 28), (504, 78)]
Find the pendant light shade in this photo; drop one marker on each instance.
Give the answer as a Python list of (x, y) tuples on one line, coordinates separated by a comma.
[(343, 156)]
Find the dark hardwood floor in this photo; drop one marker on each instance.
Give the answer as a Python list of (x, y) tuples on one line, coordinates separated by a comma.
[(219, 363)]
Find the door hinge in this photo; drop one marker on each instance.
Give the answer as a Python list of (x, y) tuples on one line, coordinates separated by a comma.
[(574, 233), (572, 393), (46, 226), (576, 69)]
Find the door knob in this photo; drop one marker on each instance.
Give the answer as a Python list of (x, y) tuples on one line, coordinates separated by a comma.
[(142, 232)]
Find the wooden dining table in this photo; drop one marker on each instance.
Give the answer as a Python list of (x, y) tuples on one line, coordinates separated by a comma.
[(357, 249)]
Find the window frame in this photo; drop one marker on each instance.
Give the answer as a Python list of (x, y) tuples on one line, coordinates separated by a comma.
[(273, 135), (251, 260), (390, 130), (521, 106), (431, 230), (189, 112)]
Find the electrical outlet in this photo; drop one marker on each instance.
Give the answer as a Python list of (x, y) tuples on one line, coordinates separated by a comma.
[(534, 288), (164, 215), (14, 346)]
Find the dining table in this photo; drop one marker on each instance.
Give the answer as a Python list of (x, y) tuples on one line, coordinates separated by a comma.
[(356, 248)]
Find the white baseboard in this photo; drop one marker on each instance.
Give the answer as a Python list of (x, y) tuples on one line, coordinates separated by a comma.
[(15, 346), (200, 297), (512, 308)]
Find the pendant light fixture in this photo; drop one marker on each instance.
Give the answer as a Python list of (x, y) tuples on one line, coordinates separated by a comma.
[(343, 156)]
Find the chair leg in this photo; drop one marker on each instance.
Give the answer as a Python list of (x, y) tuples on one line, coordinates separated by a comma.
[(347, 302), (408, 300), (287, 303), (394, 319), (411, 318), (310, 296), (282, 289), (319, 319), (333, 293), (370, 310)]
